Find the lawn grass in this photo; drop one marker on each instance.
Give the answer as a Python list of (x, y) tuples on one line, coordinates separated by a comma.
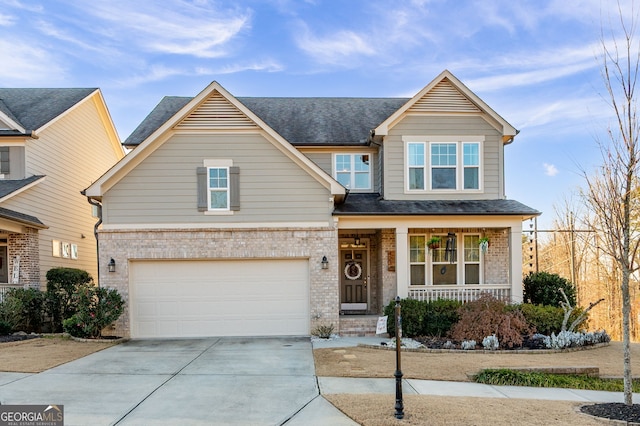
[(546, 380)]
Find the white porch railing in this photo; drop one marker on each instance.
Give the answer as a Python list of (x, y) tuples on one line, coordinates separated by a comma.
[(467, 293), (6, 287)]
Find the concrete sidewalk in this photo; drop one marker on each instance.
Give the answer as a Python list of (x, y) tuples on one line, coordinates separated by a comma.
[(333, 385)]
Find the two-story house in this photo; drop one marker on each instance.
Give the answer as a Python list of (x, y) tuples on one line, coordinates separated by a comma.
[(271, 216), (53, 144)]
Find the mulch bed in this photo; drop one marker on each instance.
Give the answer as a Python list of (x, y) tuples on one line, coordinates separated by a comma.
[(18, 337), (614, 411)]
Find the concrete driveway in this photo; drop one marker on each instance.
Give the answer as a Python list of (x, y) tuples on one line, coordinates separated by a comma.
[(241, 381)]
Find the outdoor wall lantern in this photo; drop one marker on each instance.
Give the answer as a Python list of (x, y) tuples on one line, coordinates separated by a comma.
[(356, 241), (325, 262), (112, 265)]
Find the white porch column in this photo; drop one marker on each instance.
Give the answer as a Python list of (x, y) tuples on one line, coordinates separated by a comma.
[(515, 247), (402, 262)]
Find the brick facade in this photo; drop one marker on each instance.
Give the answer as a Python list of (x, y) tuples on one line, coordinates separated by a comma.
[(312, 244), (26, 247)]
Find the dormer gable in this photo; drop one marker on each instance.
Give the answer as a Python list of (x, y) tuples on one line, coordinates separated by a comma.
[(447, 95)]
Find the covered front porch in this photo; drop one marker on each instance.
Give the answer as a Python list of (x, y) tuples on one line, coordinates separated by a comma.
[(381, 259)]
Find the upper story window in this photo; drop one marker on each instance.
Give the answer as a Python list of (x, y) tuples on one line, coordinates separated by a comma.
[(218, 178), (4, 160), (218, 187), (353, 171), (449, 165)]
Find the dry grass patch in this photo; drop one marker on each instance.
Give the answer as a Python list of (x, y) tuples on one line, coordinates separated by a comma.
[(378, 410), (456, 366), (37, 355)]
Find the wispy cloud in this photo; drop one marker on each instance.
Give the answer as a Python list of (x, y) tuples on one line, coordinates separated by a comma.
[(7, 20), (550, 169), (340, 47), (266, 65), (39, 67), (196, 29)]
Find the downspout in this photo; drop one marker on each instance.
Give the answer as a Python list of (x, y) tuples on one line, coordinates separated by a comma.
[(95, 230)]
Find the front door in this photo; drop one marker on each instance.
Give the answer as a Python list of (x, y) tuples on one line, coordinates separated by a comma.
[(353, 280), (4, 265)]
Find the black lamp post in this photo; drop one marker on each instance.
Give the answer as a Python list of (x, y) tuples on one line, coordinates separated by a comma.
[(398, 373)]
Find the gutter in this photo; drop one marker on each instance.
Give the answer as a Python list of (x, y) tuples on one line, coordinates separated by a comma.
[(95, 229)]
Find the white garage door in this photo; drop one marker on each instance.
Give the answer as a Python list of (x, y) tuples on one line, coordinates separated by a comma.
[(182, 298)]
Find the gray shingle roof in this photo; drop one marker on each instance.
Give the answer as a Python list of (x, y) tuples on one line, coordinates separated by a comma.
[(21, 218), (33, 108), (374, 205), (301, 121), (9, 186)]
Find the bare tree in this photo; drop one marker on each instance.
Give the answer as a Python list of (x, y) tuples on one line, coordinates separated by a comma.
[(612, 191)]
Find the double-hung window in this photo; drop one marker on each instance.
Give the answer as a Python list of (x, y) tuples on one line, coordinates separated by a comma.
[(443, 163), (218, 181), (417, 164), (454, 263), (218, 185), (353, 171)]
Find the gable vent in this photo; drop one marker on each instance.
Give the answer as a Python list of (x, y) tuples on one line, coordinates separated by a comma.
[(216, 113), (444, 97)]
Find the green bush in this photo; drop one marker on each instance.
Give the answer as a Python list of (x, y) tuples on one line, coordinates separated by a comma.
[(440, 316), (541, 288), (23, 309), (548, 319), (412, 312), (5, 328), (62, 283), (97, 308), (422, 318), (487, 316)]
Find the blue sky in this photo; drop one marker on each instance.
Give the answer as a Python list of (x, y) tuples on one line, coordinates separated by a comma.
[(534, 62)]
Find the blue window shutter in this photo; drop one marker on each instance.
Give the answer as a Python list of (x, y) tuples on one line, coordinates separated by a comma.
[(201, 173), (234, 188)]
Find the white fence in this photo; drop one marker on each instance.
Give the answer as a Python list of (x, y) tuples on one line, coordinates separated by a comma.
[(5, 288), (467, 293)]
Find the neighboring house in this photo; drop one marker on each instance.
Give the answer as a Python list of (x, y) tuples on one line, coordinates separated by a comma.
[(271, 216), (53, 144)]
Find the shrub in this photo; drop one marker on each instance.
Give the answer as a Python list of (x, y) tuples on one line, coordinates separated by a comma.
[(422, 318), (412, 312), (323, 331), (23, 309), (548, 319), (440, 316), (491, 343), (569, 339), (97, 308), (541, 288), (487, 316), (62, 283), (5, 328)]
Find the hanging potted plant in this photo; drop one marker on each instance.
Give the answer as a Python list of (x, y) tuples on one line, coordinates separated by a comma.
[(484, 244), (433, 243)]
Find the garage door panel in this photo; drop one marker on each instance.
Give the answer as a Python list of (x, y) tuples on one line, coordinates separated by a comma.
[(219, 298)]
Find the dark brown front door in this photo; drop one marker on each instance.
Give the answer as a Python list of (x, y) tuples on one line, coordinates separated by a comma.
[(353, 280)]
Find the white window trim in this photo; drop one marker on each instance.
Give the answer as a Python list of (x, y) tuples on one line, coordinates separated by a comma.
[(218, 164), (353, 171), (460, 262), (428, 140)]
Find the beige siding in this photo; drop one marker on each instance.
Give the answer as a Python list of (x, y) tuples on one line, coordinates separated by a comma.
[(394, 161), (322, 160), (72, 152), (162, 189)]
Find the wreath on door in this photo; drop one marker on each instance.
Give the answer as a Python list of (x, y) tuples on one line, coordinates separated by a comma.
[(353, 271)]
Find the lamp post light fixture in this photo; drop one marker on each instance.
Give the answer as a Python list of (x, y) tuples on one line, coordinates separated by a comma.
[(398, 374), (325, 262), (111, 265)]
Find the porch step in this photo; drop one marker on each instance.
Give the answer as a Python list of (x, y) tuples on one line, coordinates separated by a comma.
[(358, 325)]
